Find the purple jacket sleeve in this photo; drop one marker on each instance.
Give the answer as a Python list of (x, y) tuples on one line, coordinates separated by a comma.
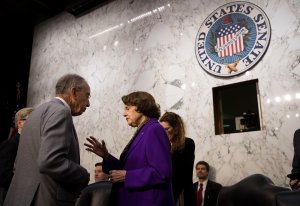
[(111, 163), (153, 167)]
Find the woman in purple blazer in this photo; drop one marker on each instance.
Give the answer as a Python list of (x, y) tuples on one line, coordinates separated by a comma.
[(143, 173)]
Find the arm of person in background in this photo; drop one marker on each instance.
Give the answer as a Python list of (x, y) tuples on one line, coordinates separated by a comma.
[(189, 150), (190, 158), (188, 163), (8, 151), (295, 183)]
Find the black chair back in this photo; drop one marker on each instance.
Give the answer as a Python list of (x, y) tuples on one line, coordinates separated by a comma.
[(254, 190), (96, 194)]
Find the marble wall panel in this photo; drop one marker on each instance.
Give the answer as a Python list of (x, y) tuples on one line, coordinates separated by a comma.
[(131, 45)]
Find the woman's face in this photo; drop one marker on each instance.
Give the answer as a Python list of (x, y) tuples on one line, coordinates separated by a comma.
[(133, 117), (168, 128)]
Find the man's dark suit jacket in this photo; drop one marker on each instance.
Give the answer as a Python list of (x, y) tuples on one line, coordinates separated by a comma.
[(211, 192), (8, 152)]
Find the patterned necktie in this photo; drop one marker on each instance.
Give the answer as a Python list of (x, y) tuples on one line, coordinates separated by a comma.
[(199, 195)]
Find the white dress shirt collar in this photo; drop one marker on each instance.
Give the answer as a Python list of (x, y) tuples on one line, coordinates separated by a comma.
[(63, 101)]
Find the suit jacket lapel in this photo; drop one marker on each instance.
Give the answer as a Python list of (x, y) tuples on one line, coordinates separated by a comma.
[(76, 142), (137, 139), (207, 191), (135, 142), (75, 133)]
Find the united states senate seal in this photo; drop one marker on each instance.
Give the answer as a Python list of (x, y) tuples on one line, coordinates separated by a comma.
[(233, 39)]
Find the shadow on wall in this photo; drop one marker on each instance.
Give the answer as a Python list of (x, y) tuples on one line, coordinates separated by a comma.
[(212, 173)]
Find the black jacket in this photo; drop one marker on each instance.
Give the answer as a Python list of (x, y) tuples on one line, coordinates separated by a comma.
[(211, 192), (296, 158), (8, 153), (182, 179)]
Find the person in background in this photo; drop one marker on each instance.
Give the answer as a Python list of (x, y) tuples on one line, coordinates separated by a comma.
[(206, 191), (142, 175), (183, 157), (8, 152), (295, 173), (99, 174), (47, 169)]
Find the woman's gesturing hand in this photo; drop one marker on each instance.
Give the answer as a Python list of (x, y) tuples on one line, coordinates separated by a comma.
[(117, 175), (96, 147)]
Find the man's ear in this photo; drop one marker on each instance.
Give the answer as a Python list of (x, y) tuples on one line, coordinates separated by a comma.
[(73, 91)]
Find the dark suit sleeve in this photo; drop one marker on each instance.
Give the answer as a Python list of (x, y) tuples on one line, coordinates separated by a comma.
[(189, 153), (59, 151), (8, 151), (212, 193), (296, 158)]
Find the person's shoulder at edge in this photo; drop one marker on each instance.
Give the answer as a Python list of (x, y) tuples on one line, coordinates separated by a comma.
[(154, 126), (154, 123), (53, 103), (297, 132), (296, 140), (10, 141), (216, 183), (9, 144), (189, 140)]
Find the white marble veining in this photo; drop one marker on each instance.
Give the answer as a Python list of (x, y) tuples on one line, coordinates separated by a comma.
[(120, 48)]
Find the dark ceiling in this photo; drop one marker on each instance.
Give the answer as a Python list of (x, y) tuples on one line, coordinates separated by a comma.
[(37, 11), (17, 20)]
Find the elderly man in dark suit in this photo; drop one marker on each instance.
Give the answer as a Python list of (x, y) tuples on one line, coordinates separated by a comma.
[(206, 191), (48, 170)]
